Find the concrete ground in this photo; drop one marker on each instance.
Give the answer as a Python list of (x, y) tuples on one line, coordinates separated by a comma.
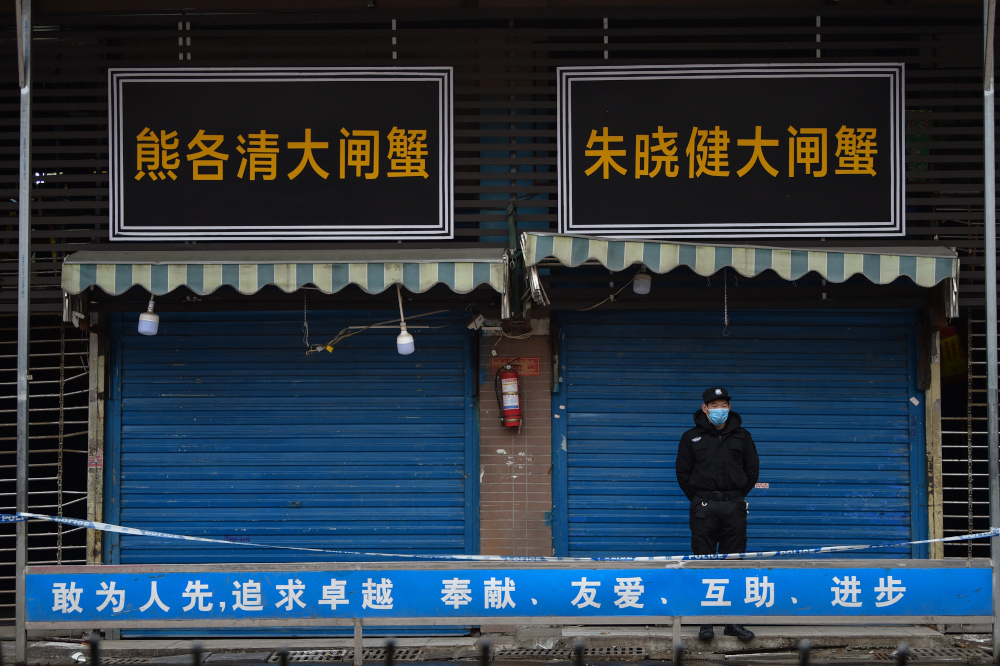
[(773, 644)]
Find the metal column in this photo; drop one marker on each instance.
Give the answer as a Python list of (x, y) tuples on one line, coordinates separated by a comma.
[(989, 222), (23, 294)]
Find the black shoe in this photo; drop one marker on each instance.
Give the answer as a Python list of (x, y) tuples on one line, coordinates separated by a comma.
[(707, 633), (739, 631)]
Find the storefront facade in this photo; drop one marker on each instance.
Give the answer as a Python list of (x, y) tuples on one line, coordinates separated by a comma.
[(238, 421)]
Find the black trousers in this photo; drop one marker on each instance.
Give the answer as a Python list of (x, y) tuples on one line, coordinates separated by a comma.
[(718, 526)]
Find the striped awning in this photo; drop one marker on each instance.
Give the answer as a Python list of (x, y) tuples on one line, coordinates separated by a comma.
[(248, 272), (926, 266)]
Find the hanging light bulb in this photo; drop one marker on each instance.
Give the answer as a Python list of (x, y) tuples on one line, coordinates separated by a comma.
[(641, 282), (149, 321), (404, 341)]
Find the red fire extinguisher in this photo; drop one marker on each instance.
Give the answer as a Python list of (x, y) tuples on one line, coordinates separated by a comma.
[(508, 396)]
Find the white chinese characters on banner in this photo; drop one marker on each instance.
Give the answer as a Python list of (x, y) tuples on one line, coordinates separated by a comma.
[(456, 592), (498, 593), (629, 590), (760, 592), (846, 592), (890, 593), (716, 591), (198, 593), (66, 599), (248, 596), (291, 594), (115, 597), (377, 595), (252, 595), (154, 598), (588, 590), (334, 594)]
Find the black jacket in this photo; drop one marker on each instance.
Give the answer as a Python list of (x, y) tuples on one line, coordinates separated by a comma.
[(713, 459)]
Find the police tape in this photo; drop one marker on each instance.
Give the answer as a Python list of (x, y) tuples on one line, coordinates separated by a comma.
[(133, 531)]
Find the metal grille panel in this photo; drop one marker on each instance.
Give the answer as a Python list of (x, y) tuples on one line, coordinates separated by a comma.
[(310, 656), (965, 475), (57, 447), (626, 653), (966, 655), (532, 653), (611, 653), (378, 654)]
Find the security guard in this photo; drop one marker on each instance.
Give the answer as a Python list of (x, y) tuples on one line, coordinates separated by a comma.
[(717, 466)]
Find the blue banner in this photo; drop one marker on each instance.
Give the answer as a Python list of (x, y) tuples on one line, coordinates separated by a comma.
[(84, 596)]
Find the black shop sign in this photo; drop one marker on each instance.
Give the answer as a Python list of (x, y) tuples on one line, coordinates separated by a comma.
[(731, 151), (281, 154)]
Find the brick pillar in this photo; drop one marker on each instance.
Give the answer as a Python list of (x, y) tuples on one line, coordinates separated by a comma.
[(515, 491)]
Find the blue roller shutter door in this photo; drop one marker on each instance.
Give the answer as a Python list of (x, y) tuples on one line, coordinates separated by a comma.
[(221, 426), (826, 396)]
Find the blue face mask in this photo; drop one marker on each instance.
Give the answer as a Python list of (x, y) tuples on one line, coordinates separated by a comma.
[(718, 416)]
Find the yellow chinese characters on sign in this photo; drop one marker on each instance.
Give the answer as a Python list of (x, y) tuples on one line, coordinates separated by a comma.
[(266, 153), (154, 156), (856, 150), (407, 153), (207, 147), (261, 153), (360, 152), (663, 154), (716, 150), (307, 146), (605, 154), (708, 152), (807, 146), (757, 143)]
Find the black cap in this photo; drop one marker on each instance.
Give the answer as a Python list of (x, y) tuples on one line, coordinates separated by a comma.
[(711, 394)]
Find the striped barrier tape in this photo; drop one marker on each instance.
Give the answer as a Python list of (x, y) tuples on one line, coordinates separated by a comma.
[(106, 527)]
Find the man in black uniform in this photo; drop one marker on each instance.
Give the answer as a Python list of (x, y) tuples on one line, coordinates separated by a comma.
[(717, 466)]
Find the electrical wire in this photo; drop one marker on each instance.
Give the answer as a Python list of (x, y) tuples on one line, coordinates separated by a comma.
[(609, 298), (347, 332), (305, 322), (725, 302)]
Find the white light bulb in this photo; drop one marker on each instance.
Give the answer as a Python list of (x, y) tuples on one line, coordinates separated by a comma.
[(404, 343), (641, 283), (149, 321)]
